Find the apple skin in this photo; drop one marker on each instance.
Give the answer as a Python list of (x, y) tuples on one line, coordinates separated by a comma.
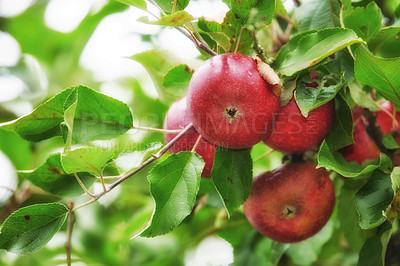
[(295, 133), (385, 121), (364, 148), (177, 118), (300, 187), (229, 102)]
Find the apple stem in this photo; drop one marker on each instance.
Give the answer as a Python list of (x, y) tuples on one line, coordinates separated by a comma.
[(196, 143)]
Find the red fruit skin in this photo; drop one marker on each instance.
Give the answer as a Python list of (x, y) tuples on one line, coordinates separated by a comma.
[(231, 81), (385, 121), (177, 118), (298, 185), (295, 133), (364, 148)]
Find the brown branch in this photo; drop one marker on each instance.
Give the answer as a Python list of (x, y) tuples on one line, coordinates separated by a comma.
[(71, 223), (143, 165)]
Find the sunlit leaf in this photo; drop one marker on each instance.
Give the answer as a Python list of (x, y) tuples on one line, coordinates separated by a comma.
[(30, 228), (311, 47), (174, 184), (379, 73), (43, 122), (87, 159), (174, 20), (336, 162), (52, 177)]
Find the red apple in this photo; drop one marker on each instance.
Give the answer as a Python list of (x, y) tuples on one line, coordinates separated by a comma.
[(177, 118), (384, 120), (291, 203), (364, 147), (295, 133), (229, 102)]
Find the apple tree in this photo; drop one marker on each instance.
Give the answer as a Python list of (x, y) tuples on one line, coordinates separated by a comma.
[(277, 144)]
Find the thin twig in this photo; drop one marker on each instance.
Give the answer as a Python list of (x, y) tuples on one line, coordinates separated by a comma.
[(196, 143), (71, 223), (7, 188), (238, 40), (102, 181), (84, 204), (170, 131), (263, 155), (288, 20), (83, 185), (200, 45), (143, 165)]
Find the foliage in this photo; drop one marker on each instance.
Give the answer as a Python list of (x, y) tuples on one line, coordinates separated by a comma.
[(77, 136)]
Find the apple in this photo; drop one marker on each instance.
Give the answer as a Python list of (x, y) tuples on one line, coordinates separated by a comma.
[(385, 121), (177, 118), (230, 103), (295, 133), (290, 203), (364, 147)]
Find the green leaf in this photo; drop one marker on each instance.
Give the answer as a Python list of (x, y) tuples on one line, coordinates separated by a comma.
[(336, 162), (177, 79), (232, 176), (87, 159), (311, 47), (361, 97), (17, 149), (90, 115), (43, 122), (389, 142), (309, 98), (243, 14), (341, 133), (256, 250), (342, 62), (141, 4), (366, 22), (373, 200), (307, 252), (30, 228), (174, 20), (128, 161), (386, 42), (348, 216), (374, 249), (316, 14), (168, 5), (395, 178), (51, 177), (174, 184), (381, 74), (158, 63)]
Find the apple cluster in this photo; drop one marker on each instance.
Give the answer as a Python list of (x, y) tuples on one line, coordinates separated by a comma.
[(234, 105), (365, 148)]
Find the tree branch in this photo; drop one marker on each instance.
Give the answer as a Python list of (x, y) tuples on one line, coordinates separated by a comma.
[(71, 223), (143, 165)]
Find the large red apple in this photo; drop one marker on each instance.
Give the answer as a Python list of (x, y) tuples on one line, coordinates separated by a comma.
[(295, 133), (177, 118), (291, 203), (229, 102)]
